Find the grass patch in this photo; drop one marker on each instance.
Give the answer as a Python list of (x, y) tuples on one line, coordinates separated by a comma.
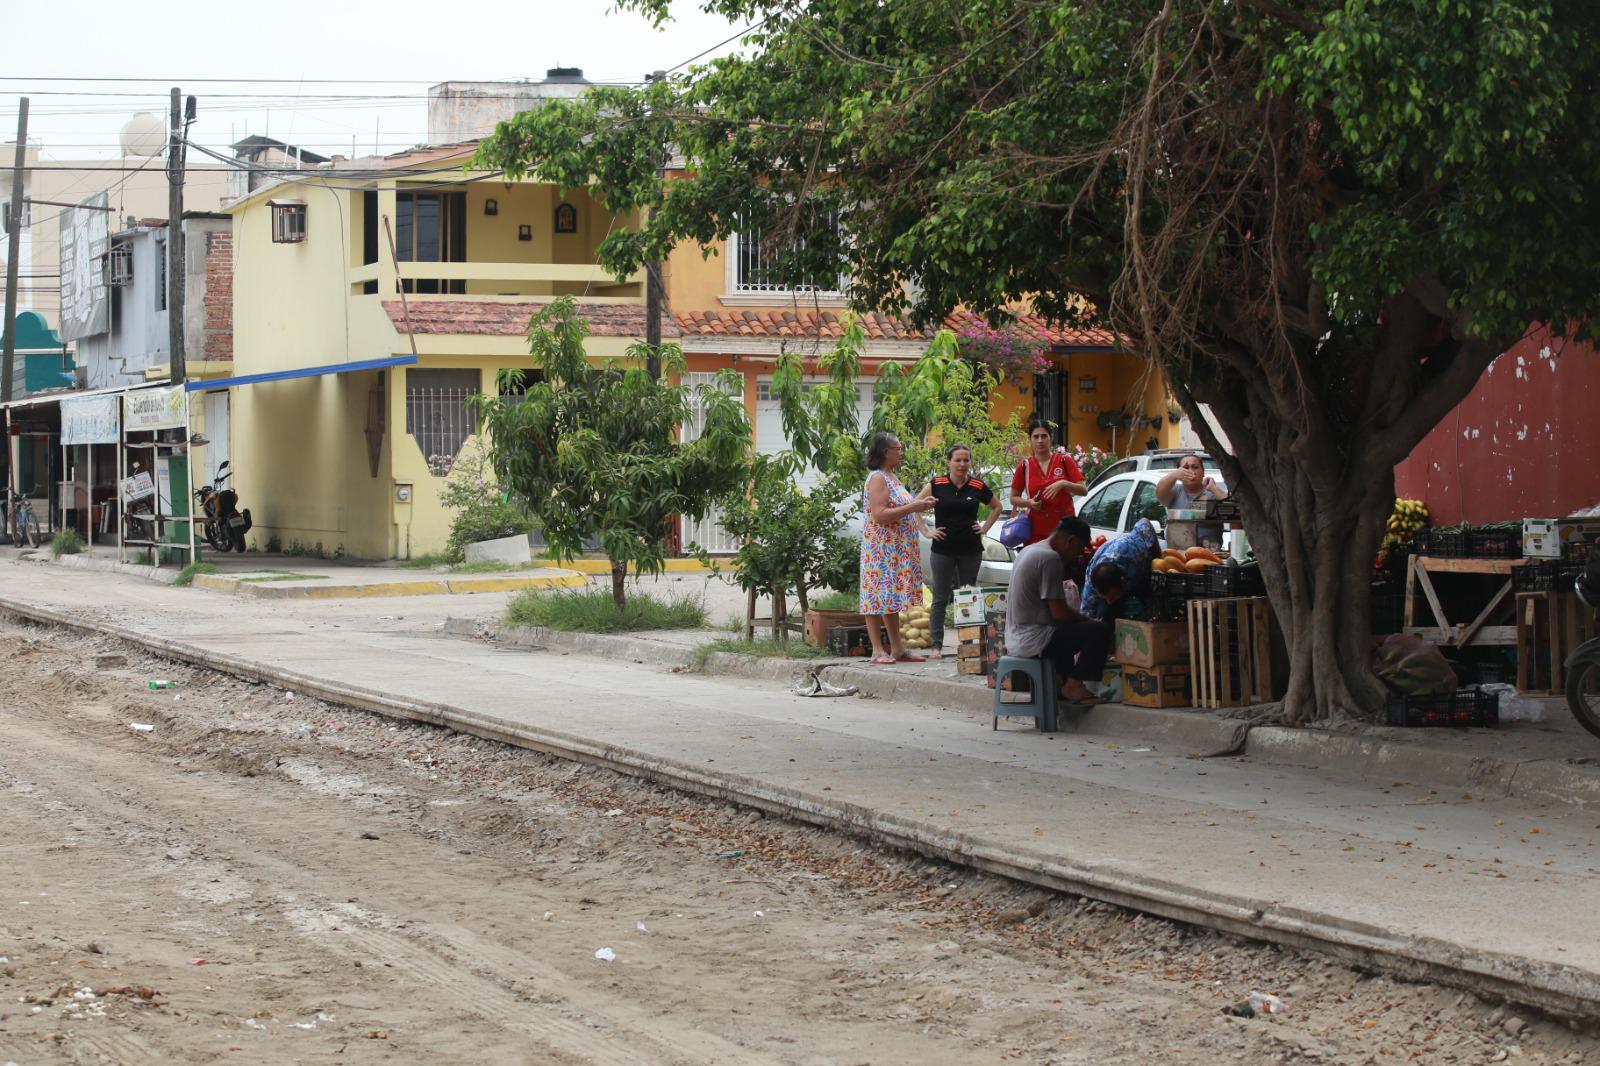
[(838, 601), (594, 612), (764, 647), (186, 575), (427, 561), (66, 542)]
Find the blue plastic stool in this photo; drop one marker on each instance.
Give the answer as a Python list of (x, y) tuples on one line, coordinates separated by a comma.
[(1041, 706)]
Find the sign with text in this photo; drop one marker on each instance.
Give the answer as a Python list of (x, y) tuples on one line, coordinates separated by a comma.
[(157, 409), (138, 487), (89, 420)]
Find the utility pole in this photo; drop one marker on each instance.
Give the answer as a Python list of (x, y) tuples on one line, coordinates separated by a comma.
[(178, 371), (652, 285), (13, 251)]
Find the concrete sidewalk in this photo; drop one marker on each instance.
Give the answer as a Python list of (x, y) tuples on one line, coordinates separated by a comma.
[(1492, 892), (279, 577)]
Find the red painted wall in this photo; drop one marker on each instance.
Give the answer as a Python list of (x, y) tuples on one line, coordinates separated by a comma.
[(1524, 444)]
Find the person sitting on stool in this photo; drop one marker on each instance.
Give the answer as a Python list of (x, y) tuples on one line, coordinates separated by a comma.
[(1039, 622)]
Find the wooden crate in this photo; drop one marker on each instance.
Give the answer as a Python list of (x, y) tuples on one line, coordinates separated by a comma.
[(1549, 626), (1230, 651)]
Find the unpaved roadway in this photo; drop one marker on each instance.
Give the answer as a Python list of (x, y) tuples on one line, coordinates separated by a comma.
[(256, 880)]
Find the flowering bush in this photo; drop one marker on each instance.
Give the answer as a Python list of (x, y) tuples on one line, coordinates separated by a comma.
[(1015, 355), (1093, 461), (484, 513)]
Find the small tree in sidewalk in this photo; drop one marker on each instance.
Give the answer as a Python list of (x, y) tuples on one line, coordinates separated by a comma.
[(595, 451)]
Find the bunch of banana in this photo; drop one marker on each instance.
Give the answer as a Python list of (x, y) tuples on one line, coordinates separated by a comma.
[(1404, 524)]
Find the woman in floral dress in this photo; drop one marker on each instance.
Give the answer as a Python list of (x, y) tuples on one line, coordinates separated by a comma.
[(891, 558)]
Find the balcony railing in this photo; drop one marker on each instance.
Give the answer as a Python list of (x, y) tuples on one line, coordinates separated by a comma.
[(489, 280)]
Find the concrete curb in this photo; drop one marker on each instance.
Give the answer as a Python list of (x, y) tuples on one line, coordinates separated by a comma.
[(1541, 780), (1556, 989), (161, 575), (420, 587)]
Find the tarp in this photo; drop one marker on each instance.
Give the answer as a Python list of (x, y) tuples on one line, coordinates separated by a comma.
[(302, 372)]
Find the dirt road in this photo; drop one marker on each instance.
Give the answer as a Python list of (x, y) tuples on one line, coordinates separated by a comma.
[(259, 880)]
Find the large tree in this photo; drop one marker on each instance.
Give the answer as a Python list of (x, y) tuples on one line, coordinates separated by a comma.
[(1323, 219)]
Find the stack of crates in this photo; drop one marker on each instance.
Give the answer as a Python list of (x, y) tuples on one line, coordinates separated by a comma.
[(971, 652)]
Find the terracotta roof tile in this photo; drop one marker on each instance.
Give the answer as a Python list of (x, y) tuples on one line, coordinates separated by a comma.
[(510, 318), (829, 324)]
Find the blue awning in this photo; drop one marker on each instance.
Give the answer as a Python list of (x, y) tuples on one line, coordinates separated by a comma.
[(303, 372)]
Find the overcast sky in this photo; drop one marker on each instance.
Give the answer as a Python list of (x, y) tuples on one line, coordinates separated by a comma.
[(403, 46)]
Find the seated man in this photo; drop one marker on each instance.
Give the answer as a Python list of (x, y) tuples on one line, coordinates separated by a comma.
[(1120, 568), (1039, 624)]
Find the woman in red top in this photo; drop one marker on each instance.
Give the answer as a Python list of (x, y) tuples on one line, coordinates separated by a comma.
[(1045, 483)]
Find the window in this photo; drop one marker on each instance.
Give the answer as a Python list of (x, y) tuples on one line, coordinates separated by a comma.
[(1145, 505), (1104, 508), (438, 414), (431, 227), (119, 266), (288, 221), (566, 219), (161, 273), (754, 261), (1121, 466)]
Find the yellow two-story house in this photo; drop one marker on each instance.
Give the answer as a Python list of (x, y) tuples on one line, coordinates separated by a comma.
[(372, 300)]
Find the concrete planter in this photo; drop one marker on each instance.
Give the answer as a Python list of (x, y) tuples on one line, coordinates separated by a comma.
[(512, 550), (819, 622)]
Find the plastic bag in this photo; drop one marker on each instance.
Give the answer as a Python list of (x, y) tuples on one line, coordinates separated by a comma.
[(1514, 706), (1413, 666)]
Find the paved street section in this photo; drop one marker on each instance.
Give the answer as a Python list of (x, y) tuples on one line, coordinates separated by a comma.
[(1482, 890)]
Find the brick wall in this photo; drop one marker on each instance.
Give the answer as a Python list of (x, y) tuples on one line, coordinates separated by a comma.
[(218, 329)]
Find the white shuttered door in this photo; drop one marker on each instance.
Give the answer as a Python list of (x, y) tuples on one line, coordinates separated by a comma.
[(707, 532)]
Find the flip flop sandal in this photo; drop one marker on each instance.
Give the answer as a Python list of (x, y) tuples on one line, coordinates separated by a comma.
[(907, 657), (1092, 701), (884, 660)]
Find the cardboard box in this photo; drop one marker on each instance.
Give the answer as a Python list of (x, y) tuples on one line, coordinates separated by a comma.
[(973, 603), (1187, 533), (1557, 538), (1155, 686), (1151, 643)]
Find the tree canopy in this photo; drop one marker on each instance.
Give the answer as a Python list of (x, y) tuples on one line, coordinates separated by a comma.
[(1323, 219)]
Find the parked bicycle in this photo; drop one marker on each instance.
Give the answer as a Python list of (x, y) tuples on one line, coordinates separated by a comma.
[(18, 516)]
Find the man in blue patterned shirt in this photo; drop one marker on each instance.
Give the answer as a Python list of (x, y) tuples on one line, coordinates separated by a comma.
[(1121, 564)]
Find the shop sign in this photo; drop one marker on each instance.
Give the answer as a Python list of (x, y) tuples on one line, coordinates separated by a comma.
[(89, 420), (138, 487), (157, 409)]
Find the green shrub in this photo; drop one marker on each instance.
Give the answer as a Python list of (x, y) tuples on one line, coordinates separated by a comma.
[(484, 521), (66, 542), (849, 600), (596, 612), (764, 647)]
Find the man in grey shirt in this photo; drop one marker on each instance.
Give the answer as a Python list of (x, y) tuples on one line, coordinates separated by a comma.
[(1039, 622)]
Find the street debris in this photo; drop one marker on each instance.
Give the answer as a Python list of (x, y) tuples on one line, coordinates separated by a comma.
[(141, 727), (810, 683), (606, 955), (163, 683)]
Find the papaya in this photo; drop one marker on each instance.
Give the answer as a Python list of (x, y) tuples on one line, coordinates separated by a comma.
[(1196, 566), (1201, 553), (1159, 566), (1173, 553)]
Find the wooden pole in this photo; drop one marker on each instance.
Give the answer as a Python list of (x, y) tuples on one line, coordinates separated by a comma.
[(13, 251)]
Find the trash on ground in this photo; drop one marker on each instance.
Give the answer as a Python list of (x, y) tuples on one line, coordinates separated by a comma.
[(369, 836), (1266, 1002), (810, 683), (640, 926), (615, 812), (288, 697), (549, 916), (141, 727), (197, 962), (1240, 1010), (1514, 706), (163, 683), (734, 854), (761, 914), (606, 955)]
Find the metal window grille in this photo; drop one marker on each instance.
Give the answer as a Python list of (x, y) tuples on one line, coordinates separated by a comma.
[(756, 260), (288, 223), (119, 266), (440, 421)]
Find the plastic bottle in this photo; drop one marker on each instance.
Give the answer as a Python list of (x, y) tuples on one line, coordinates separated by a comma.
[(1266, 1002), (163, 684)]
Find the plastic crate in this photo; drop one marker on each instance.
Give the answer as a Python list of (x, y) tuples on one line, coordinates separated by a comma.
[(1463, 708), (1449, 543), (849, 640), (1494, 542), (1234, 581), (1548, 576)]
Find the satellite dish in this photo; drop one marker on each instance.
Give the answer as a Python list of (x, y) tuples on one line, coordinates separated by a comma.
[(143, 135)]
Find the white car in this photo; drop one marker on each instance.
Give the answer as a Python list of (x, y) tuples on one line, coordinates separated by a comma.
[(1113, 505)]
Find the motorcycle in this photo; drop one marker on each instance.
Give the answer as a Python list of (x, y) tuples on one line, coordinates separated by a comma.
[(225, 524), (1583, 665)]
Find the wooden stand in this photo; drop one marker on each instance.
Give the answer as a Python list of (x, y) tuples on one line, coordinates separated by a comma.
[(1549, 626), (1230, 651), (779, 623), (1419, 571)]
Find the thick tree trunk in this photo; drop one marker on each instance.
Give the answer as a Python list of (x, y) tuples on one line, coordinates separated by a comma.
[(619, 579)]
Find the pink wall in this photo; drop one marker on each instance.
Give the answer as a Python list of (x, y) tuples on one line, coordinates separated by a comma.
[(1524, 444)]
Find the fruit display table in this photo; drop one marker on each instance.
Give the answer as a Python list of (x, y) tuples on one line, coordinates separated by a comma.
[(1420, 573)]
